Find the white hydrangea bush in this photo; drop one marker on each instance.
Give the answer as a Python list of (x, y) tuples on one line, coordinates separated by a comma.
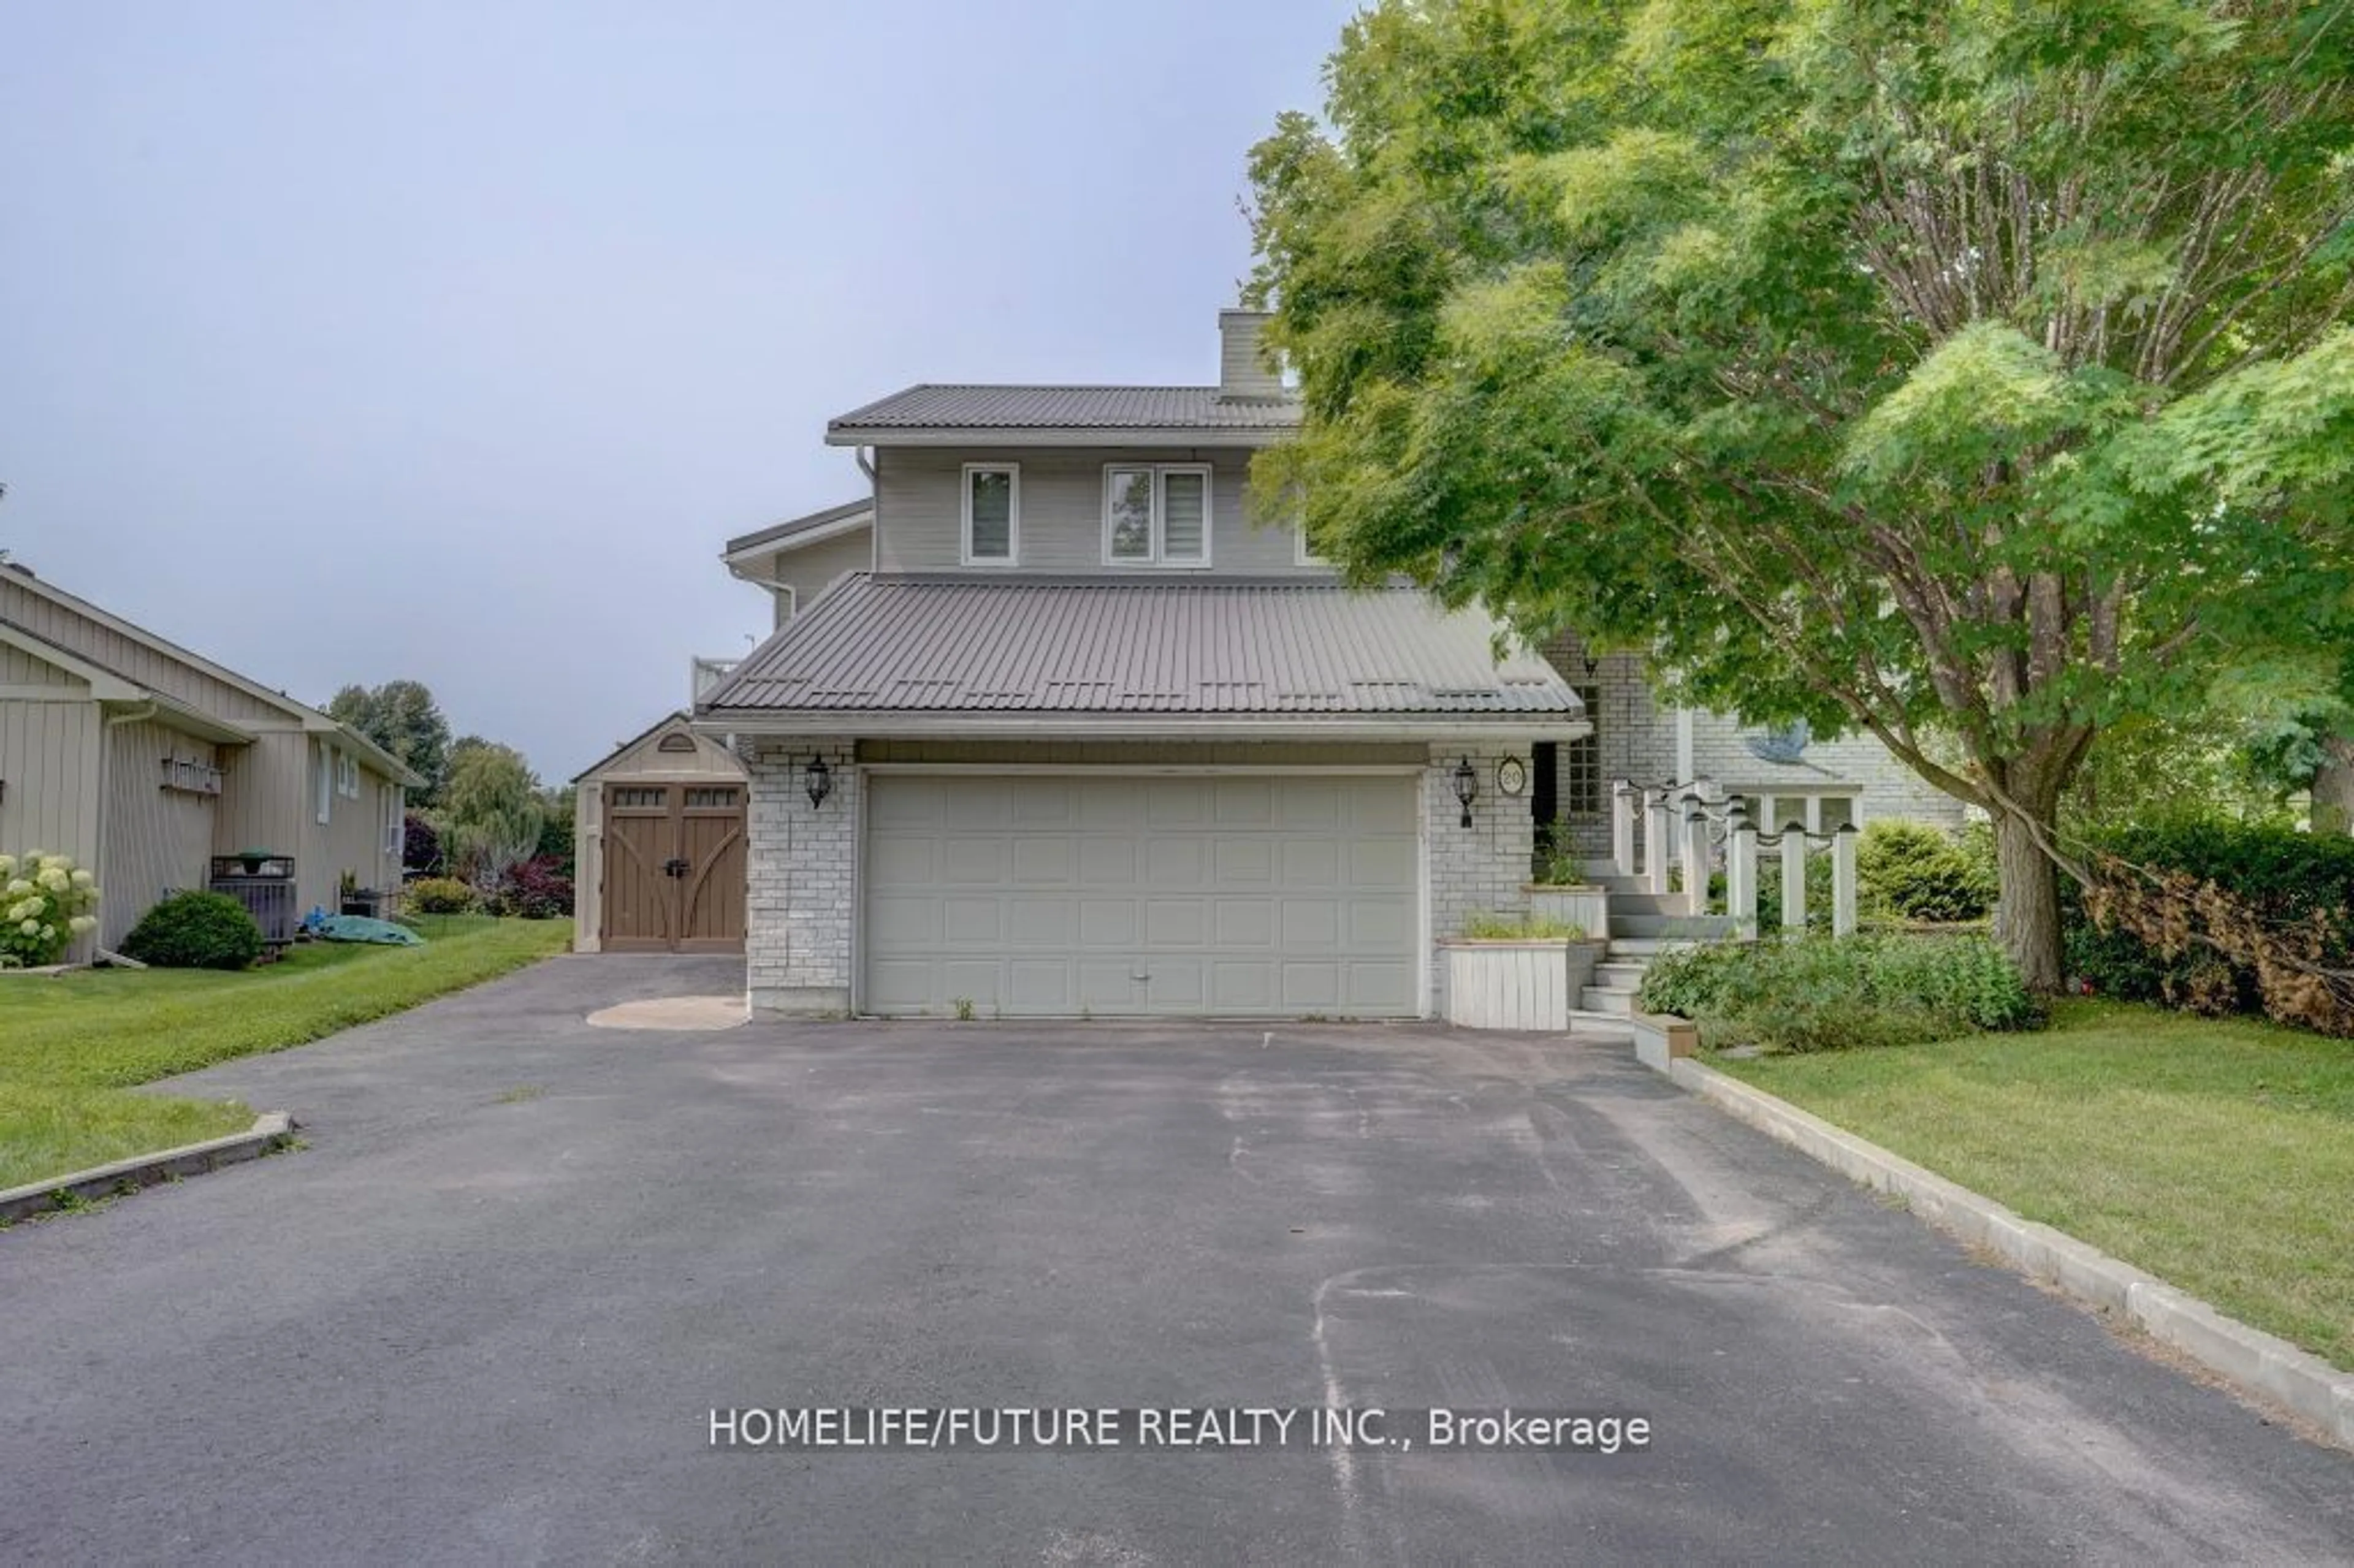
[(46, 901)]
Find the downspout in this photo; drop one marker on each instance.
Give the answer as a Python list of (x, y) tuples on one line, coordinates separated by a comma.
[(874, 505)]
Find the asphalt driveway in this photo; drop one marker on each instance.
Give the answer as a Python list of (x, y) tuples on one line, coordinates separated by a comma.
[(485, 1315)]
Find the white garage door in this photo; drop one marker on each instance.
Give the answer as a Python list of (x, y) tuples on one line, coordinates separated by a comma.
[(1052, 894)]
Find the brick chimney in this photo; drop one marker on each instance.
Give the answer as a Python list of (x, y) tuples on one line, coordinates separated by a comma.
[(1243, 370)]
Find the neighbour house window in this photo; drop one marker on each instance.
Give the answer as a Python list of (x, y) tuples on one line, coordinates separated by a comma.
[(326, 782), (395, 826), (347, 776), (1157, 516), (1307, 554), (992, 514)]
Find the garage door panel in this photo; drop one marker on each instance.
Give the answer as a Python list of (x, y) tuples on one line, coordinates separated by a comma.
[(1043, 895), (1176, 862), (1175, 923), (1040, 921), (1108, 923), (979, 862), (967, 921), (1311, 863)]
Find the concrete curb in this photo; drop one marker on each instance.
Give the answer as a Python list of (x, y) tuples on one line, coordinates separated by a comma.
[(2249, 1359), (267, 1132)]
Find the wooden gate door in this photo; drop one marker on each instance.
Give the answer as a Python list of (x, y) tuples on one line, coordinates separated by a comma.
[(675, 868)]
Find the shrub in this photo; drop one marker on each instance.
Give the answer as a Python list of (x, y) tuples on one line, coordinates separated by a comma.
[(421, 846), (537, 890), (1917, 872), (1814, 993), (195, 931), (438, 895), (46, 901), (2279, 879)]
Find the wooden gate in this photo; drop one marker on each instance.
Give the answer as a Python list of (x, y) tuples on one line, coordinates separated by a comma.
[(674, 859)]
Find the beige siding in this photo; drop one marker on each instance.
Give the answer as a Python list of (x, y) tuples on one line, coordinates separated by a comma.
[(919, 501), (18, 668), (588, 863), (263, 800), (156, 839), (351, 840), (49, 787), (130, 658), (814, 569)]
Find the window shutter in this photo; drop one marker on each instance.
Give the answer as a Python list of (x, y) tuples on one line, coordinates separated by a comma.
[(1185, 508)]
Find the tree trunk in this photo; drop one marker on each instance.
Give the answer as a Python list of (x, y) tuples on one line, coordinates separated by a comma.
[(2027, 917), (2333, 787)]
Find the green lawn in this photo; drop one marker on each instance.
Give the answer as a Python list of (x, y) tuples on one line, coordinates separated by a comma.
[(71, 1045), (2218, 1156)]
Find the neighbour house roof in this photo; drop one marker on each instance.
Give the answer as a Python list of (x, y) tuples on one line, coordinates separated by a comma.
[(945, 654), (108, 684), (942, 413), (795, 532), (308, 719)]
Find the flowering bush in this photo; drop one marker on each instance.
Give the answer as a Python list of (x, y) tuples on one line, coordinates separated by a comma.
[(44, 903), (538, 890)]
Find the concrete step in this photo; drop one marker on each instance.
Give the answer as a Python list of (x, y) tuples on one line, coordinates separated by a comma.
[(1612, 999), (1601, 1028), (1601, 870), (1621, 974), (1645, 947), (1616, 885), (1696, 927), (1629, 904)]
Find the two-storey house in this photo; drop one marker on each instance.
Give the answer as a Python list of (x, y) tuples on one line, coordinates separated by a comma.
[(1052, 725)]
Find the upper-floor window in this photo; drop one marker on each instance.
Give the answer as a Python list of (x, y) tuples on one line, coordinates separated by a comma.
[(992, 514), (1157, 516), (1304, 552)]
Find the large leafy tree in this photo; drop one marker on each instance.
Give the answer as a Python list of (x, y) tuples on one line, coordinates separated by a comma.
[(491, 810), (402, 718), (1975, 375)]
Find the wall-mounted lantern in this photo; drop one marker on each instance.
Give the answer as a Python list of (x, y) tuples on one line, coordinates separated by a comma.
[(819, 779), (1466, 787)]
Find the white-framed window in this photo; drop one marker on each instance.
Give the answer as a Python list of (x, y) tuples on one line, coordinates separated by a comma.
[(326, 782), (395, 823), (1303, 553), (992, 514), (347, 776), (1156, 514)]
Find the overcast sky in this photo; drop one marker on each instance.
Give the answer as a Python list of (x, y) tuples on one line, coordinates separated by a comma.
[(449, 341)]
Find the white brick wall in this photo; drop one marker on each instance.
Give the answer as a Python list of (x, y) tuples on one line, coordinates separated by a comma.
[(804, 878), (1483, 867)]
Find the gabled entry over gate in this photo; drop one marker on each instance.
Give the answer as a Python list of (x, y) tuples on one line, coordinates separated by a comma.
[(662, 850)]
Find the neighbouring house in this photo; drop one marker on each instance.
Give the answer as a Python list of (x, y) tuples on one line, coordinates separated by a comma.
[(1050, 725), (143, 761), (659, 846)]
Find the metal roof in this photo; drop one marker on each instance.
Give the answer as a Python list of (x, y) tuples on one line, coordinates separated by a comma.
[(793, 527), (943, 408), (1076, 646)]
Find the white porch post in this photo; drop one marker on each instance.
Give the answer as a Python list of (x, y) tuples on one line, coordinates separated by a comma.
[(1658, 835), (1741, 873), (1843, 880), (1695, 856), (1793, 876), (1622, 826)]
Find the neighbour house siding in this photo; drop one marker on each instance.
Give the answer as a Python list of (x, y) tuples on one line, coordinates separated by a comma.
[(810, 571), (919, 509), (49, 765), (352, 840), (157, 840), (132, 658), (18, 668)]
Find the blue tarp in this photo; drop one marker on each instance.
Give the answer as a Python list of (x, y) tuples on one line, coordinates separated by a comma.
[(360, 928)]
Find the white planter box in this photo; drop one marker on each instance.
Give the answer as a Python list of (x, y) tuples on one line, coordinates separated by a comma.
[(1587, 908), (1525, 983)]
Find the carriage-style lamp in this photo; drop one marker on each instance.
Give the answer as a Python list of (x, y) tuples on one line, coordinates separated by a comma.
[(1466, 787), (820, 779)]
